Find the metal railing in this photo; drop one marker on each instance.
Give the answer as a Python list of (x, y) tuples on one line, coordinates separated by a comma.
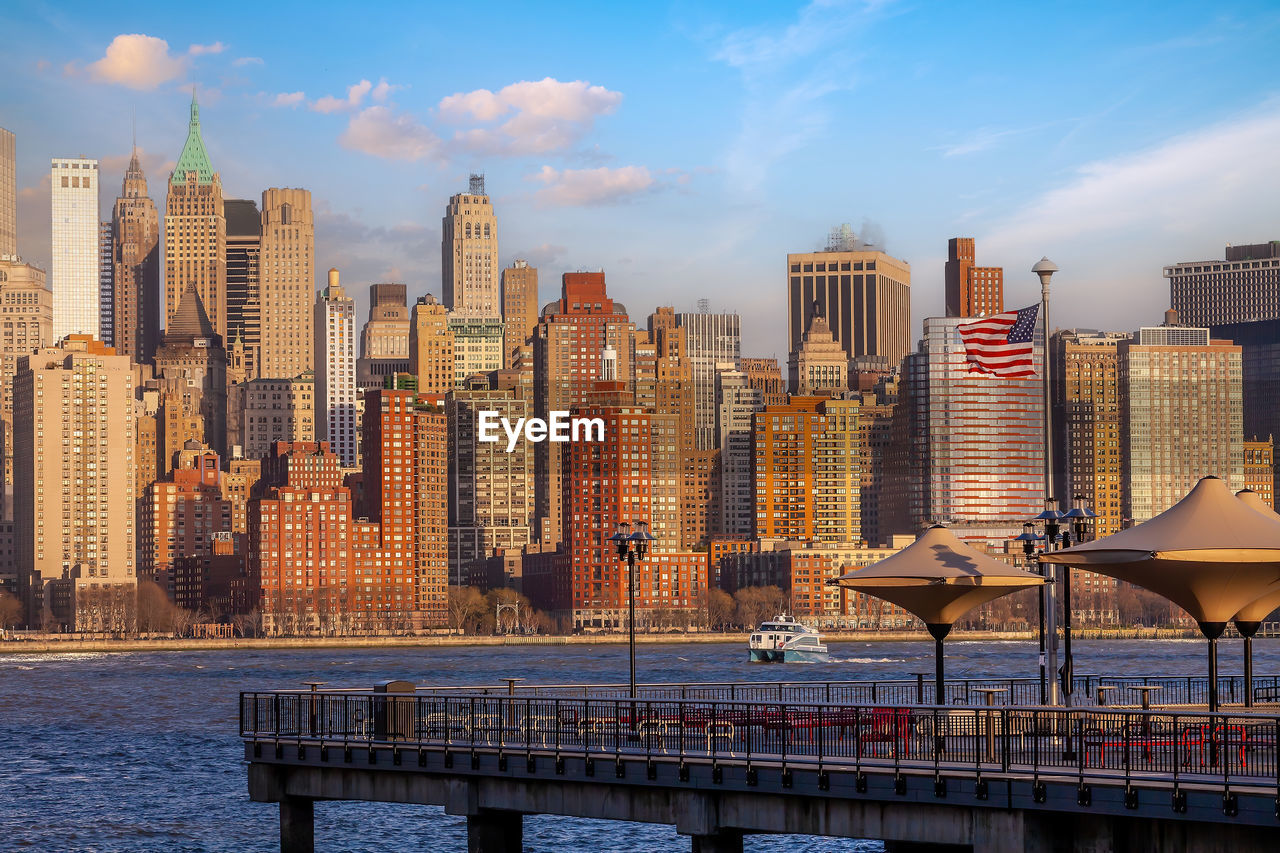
[(1174, 690), (1222, 749)]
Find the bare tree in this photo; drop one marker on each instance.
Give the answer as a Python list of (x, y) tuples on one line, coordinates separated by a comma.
[(10, 610), (466, 608)]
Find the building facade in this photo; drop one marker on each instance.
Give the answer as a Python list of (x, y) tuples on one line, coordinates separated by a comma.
[(977, 454), (1242, 288), (1259, 469), (286, 283), (74, 498), (195, 231), (519, 308), (335, 359), (972, 291), (477, 345), (27, 306), (710, 340), (1183, 415), (737, 404), (1088, 446), (135, 259), (431, 355), (819, 366), (242, 266), (191, 373), (8, 195), (865, 294), (570, 345), (491, 490), (807, 471), (74, 268), (469, 254), (276, 410)]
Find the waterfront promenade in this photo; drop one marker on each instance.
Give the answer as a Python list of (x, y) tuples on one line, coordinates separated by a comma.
[(852, 759)]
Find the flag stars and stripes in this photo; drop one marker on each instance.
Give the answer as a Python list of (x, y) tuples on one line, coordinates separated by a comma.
[(1002, 345)]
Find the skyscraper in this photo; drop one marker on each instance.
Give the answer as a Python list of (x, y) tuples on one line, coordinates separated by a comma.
[(8, 195), (191, 370), (818, 366), (1089, 446), (807, 471), (519, 307), (469, 254), (1183, 415), (477, 345), (1259, 344), (244, 311), (106, 283), (765, 375), (570, 342), (27, 306), (286, 282), (978, 441), (275, 410), (491, 501), (1243, 288), (972, 291), (195, 231), (737, 403), (865, 293), (710, 340), (431, 357), (384, 339), (335, 336), (135, 260), (74, 496), (75, 247)]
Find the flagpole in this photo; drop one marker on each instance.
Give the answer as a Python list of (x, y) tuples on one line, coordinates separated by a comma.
[(1045, 270)]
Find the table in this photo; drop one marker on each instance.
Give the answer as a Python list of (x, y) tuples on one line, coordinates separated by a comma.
[(990, 693), (314, 685), (1102, 690)]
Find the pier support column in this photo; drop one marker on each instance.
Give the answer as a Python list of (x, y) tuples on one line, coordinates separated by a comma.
[(720, 841), (495, 831), (297, 825)]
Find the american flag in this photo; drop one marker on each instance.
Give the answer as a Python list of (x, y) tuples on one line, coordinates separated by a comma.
[(1001, 344)]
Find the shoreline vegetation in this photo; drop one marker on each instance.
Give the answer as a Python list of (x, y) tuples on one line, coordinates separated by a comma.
[(77, 645)]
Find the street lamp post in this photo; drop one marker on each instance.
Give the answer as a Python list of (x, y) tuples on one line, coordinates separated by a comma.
[(632, 547), (1028, 540), (1050, 520), (1080, 518)]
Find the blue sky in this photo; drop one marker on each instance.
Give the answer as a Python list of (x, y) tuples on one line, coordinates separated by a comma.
[(686, 149)]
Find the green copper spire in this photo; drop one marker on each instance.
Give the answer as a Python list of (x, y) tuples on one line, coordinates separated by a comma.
[(194, 158)]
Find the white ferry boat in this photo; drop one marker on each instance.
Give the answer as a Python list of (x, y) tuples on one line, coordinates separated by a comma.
[(784, 640)]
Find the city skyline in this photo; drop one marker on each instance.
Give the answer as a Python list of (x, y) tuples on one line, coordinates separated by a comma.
[(583, 154)]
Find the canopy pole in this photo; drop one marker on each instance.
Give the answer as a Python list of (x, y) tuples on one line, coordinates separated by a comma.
[(939, 631), (1212, 631), (1248, 630)]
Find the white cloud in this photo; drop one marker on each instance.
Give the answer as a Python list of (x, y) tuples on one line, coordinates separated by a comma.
[(202, 49), (380, 132), (1116, 222), (248, 60), (786, 75), (138, 61), (574, 187), (542, 116), (288, 99), (356, 93)]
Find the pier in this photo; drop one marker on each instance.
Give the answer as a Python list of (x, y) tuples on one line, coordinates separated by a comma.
[(719, 763)]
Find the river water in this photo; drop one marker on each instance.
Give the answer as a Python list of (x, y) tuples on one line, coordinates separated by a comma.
[(140, 751)]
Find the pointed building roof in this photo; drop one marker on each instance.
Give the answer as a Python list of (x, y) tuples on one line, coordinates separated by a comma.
[(193, 158), (189, 322)]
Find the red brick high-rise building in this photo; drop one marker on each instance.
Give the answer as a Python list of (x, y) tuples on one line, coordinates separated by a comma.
[(570, 344), (972, 291), (622, 478), (185, 515), (321, 562)]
